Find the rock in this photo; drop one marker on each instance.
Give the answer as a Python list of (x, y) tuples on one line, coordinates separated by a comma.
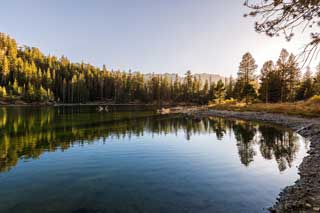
[(308, 205), (100, 109), (163, 111)]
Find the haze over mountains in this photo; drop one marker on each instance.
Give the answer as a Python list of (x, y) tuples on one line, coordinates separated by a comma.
[(203, 77)]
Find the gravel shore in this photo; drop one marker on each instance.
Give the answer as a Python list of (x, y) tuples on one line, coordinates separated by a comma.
[(304, 195)]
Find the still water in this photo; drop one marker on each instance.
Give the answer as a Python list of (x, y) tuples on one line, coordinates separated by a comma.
[(75, 159)]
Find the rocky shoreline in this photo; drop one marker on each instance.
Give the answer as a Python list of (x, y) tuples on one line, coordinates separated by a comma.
[(304, 195)]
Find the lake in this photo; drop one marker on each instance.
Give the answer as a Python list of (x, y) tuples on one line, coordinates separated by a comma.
[(75, 159)]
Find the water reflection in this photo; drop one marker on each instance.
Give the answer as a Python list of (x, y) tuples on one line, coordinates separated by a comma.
[(281, 145), (27, 133)]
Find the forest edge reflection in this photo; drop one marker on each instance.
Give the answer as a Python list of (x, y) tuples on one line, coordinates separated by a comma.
[(27, 133)]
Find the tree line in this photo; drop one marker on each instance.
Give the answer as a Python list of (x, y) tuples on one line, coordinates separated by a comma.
[(26, 73), (280, 81)]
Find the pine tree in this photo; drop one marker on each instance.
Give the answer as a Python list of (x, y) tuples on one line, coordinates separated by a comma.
[(212, 91), (305, 90), (220, 91), (30, 93), (246, 76), (293, 77), (230, 88), (188, 86), (265, 78), (283, 69), (4, 70), (42, 94), (16, 89), (274, 87), (316, 83), (3, 92), (250, 92)]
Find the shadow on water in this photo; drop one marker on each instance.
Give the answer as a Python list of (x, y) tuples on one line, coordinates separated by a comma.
[(28, 132)]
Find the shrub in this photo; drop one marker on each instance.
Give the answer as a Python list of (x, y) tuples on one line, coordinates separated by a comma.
[(314, 100), (3, 92)]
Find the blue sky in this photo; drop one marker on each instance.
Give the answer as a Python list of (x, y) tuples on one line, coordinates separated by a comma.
[(145, 35)]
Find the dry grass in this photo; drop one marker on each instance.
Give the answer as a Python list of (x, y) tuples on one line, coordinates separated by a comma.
[(310, 108)]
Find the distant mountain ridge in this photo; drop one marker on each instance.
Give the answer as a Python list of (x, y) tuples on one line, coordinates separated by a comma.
[(211, 78)]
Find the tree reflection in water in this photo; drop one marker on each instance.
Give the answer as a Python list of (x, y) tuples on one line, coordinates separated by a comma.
[(245, 133), (27, 133)]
